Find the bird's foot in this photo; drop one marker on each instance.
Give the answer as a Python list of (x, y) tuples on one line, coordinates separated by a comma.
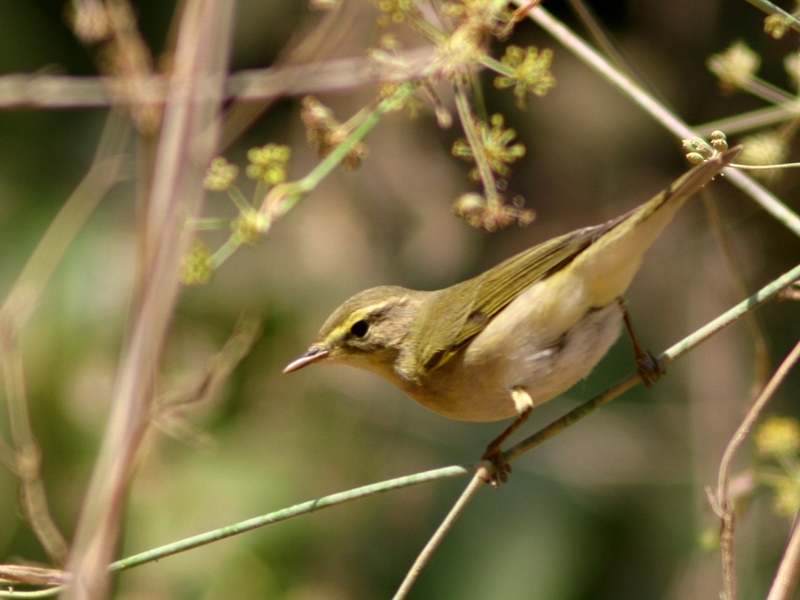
[(649, 367), (499, 466)]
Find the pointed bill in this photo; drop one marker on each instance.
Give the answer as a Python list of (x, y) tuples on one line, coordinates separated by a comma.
[(311, 356)]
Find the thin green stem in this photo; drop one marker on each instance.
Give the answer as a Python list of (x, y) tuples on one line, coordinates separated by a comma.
[(467, 495), (475, 143), (281, 199), (235, 194), (223, 253), (768, 92), (357, 119), (749, 121), (260, 192), (765, 167), (426, 28), (288, 513), (207, 223), (496, 66), (761, 362)]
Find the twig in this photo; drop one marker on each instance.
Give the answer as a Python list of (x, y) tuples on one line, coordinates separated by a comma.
[(748, 121), (289, 513), (478, 151), (723, 506), (187, 142), (64, 91), (30, 575), (480, 477), (785, 582), (28, 455), (24, 460), (46, 593)]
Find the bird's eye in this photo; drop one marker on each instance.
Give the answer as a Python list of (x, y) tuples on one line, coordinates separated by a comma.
[(359, 328)]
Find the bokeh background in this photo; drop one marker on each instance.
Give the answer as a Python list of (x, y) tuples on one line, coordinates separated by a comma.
[(613, 507)]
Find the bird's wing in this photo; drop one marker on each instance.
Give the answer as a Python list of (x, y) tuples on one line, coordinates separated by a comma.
[(463, 312), (491, 291)]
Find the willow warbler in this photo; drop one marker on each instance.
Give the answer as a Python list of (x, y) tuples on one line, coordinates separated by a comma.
[(496, 345)]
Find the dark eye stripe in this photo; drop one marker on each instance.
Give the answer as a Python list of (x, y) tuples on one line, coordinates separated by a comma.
[(359, 328)]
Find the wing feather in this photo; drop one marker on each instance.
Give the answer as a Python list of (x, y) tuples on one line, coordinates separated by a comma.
[(452, 319)]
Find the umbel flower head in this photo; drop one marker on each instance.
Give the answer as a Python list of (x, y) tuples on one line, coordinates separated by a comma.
[(530, 72)]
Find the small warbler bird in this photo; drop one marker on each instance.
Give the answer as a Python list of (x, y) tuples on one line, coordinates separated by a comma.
[(523, 332)]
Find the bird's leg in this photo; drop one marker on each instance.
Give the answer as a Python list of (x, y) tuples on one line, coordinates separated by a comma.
[(650, 370), (493, 453)]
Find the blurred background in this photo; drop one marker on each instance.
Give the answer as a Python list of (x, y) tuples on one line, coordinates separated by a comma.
[(613, 507)]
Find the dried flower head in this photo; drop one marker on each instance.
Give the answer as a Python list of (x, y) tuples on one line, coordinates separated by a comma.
[(491, 215), (324, 132)]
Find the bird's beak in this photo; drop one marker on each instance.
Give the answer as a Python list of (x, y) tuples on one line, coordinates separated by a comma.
[(311, 356)]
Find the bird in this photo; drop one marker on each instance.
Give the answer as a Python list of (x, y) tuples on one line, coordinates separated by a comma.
[(519, 334)]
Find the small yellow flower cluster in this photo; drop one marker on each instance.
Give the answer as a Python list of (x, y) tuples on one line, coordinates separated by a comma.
[(395, 11), (220, 175), (247, 228), (530, 72), (497, 146), (196, 268), (268, 163)]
